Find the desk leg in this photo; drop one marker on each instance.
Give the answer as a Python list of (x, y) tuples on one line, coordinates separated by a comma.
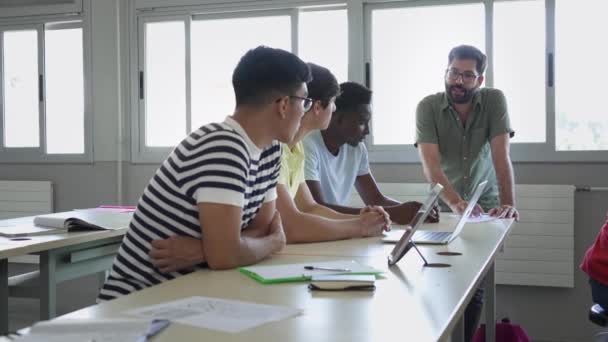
[(458, 332), (3, 296), (48, 285), (490, 308)]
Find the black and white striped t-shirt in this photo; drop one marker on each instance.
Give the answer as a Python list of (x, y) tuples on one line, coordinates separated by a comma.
[(218, 163)]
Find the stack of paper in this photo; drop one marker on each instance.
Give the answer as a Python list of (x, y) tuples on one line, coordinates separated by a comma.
[(270, 274), (216, 314), (98, 330)]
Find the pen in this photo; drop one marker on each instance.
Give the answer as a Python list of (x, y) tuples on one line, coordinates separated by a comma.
[(326, 269)]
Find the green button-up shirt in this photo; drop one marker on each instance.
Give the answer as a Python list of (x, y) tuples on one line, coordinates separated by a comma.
[(465, 150)]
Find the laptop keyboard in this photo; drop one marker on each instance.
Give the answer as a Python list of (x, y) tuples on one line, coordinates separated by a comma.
[(431, 236)]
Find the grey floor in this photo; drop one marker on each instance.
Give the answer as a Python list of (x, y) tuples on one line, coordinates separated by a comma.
[(71, 296)]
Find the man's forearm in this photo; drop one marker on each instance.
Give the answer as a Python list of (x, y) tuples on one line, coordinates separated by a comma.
[(449, 194), (504, 176), (326, 212), (304, 227)]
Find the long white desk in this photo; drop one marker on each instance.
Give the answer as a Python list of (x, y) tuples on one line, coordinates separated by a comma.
[(62, 257), (411, 303)]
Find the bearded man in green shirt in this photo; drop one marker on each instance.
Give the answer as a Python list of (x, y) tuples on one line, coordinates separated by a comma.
[(462, 136)]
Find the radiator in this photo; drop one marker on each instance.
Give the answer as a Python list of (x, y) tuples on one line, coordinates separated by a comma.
[(540, 249), (25, 198)]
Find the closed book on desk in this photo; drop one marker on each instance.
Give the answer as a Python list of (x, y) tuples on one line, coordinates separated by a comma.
[(342, 282), (271, 274), (82, 220)]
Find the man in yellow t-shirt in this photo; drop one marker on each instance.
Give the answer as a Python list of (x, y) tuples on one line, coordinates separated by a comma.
[(305, 220)]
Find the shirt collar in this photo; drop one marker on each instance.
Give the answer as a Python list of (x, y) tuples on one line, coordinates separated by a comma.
[(254, 150)]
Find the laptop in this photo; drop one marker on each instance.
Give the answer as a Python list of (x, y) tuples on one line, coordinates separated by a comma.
[(444, 238), (403, 241)]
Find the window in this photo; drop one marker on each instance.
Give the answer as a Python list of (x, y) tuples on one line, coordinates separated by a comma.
[(541, 64), (42, 75), (407, 66), (581, 120), (186, 62), (519, 66), (212, 93), (21, 109), (323, 40)]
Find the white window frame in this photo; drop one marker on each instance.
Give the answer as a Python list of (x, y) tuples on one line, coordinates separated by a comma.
[(40, 8), (520, 152), (39, 154), (140, 153)]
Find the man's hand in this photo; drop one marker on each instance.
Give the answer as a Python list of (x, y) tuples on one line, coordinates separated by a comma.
[(461, 206), (276, 232), (505, 211), (176, 253), (405, 212), (380, 211), (373, 222)]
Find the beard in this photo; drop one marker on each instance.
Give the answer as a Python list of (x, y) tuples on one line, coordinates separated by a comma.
[(459, 94)]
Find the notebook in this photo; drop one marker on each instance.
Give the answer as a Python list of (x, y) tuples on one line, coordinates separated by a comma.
[(444, 238), (70, 221), (272, 274), (341, 282), (88, 219)]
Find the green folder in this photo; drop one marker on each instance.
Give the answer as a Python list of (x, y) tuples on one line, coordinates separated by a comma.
[(287, 273)]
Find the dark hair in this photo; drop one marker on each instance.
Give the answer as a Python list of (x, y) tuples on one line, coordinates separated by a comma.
[(469, 52), (323, 86), (352, 96), (265, 72)]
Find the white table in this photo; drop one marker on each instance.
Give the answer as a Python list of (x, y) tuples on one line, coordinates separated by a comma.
[(411, 303), (62, 257)]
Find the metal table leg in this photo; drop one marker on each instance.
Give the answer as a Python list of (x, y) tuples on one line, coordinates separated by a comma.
[(490, 293)]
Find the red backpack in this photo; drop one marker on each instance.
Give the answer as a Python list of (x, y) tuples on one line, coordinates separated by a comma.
[(505, 332)]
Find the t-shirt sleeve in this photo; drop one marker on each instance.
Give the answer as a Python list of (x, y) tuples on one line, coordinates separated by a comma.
[(271, 193), (312, 162), (499, 115), (220, 178), (284, 168), (426, 131), (364, 163)]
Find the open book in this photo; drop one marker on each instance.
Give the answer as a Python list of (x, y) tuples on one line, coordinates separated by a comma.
[(79, 220)]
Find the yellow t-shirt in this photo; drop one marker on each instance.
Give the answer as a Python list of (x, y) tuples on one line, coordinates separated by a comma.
[(292, 168)]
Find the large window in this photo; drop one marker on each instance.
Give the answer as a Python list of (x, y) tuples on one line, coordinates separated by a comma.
[(541, 64), (43, 97), (581, 52), (519, 66), (186, 62), (412, 66)]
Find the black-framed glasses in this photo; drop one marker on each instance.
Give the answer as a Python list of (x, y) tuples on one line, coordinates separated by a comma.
[(306, 102), (467, 76)]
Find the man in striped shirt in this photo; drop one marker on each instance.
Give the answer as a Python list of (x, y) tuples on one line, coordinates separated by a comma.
[(218, 184)]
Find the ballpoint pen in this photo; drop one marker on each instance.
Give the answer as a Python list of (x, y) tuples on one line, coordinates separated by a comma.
[(326, 268)]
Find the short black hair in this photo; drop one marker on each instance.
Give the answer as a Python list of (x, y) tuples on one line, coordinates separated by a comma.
[(265, 72), (469, 52), (323, 86), (352, 96)]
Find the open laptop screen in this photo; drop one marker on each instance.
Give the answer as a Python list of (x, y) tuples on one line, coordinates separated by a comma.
[(404, 243)]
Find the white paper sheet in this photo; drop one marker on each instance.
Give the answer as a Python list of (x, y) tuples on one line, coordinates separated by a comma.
[(481, 218), (99, 330), (216, 314)]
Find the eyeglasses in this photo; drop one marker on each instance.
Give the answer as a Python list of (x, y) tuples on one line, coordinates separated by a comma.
[(467, 76), (306, 102)]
